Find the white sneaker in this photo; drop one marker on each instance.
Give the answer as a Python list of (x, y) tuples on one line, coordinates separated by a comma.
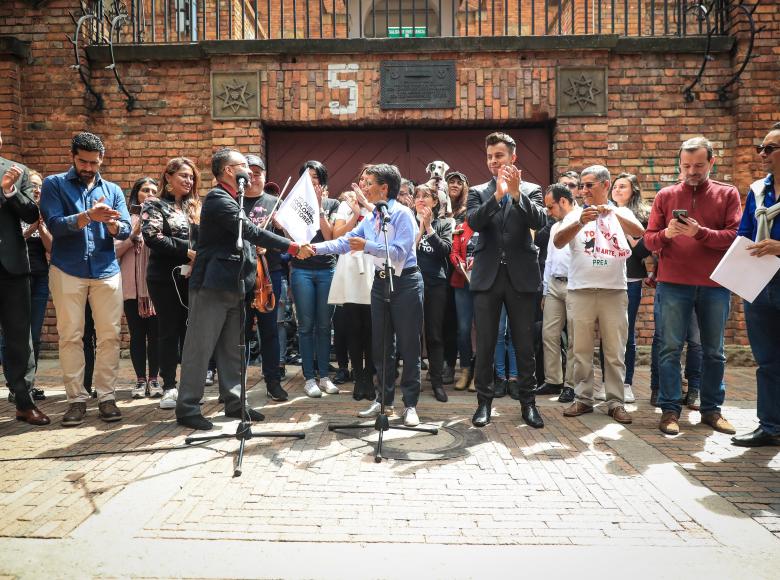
[(327, 385), (628, 394), (210, 376), (139, 390), (169, 397), (155, 390), (600, 393), (410, 417), (311, 389), (373, 410)]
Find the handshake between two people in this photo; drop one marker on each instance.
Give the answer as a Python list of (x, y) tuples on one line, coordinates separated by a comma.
[(305, 251)]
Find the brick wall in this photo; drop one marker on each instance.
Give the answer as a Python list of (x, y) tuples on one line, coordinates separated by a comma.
[(42, 103)]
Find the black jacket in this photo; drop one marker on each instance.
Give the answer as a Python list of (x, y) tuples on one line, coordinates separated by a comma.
[(505, 235), (217, 262), (433, 252), (13, 210), (167, 234)]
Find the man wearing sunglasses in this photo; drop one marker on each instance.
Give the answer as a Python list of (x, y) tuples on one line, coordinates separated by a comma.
[(761, 223), (691, 226)]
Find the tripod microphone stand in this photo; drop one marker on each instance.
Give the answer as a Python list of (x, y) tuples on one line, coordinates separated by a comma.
[(382, 422), (244, 429)]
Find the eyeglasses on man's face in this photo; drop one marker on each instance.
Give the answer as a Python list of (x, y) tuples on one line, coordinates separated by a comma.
[(768, 149)]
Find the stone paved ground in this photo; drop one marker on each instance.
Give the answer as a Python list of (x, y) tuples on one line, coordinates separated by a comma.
[(578, 484)]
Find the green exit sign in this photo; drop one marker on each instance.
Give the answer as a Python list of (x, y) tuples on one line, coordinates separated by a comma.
[(407, 31)]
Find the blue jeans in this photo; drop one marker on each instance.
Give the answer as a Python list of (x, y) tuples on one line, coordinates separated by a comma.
[(505, 349), (310, 290), (678, 304), (464, 306), (634, 299), (692, 357), (763, 320)]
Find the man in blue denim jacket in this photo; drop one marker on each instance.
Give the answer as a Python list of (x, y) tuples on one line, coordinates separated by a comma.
[(84, 214)]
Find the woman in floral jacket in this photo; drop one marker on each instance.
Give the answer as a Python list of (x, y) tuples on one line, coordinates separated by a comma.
[(169, 225)]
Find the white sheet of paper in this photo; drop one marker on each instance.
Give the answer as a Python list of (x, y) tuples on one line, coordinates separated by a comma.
[(743, 274)]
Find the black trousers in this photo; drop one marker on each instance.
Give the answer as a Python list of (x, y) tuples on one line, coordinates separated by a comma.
[(450, 329), (89, 339), (434, 308), (268, 328), (143, 340), (521, 310), (19, 360), (402, 329), (340, 340), (172, 324), (357, 319)]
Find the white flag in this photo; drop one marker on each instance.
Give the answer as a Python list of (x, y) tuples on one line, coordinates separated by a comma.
[(299, 213)]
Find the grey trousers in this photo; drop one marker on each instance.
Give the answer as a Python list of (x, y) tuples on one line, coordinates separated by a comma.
[(213, 326)]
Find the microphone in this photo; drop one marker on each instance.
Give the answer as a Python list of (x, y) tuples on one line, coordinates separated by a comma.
[(381, 207), (242, 180)]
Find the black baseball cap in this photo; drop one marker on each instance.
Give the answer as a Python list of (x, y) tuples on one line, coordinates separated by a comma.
[(457, 174), (254, 160)]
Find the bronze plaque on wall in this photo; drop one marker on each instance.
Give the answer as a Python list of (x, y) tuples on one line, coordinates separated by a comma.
[(428, 84), (235, 95), (582, 92)]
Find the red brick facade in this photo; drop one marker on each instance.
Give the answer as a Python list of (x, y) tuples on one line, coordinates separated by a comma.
[(43, 103)]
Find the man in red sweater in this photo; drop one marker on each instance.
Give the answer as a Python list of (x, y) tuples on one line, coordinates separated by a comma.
[(692, 224)]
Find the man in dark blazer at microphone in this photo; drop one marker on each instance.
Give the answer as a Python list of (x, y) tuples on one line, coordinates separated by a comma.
[(505, 273), (221, 276)]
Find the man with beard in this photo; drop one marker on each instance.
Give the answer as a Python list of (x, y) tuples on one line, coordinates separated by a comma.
[(506, 273), (691, 226), (85, 214)]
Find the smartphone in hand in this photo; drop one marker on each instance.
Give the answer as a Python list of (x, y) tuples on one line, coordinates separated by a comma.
[(680, 214)]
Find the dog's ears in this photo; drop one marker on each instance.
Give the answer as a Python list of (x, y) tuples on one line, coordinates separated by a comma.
[(445, 166)]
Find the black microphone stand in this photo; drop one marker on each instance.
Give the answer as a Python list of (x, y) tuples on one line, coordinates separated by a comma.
[(382, 422), (244, 429)]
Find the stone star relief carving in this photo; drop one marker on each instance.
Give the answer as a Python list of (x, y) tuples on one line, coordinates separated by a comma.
[(235, 94), (582, 92)]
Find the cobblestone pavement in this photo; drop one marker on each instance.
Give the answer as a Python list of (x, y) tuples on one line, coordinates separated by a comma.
[(578, 483)]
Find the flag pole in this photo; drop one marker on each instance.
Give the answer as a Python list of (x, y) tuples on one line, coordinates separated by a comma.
[(276, 205)]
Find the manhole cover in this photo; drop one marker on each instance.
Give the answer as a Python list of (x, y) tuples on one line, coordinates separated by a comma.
[(449, 442)]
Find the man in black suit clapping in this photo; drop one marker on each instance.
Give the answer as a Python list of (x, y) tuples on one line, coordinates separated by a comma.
[(16, 205), (504, 211)]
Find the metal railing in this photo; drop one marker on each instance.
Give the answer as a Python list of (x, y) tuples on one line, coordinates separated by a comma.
[(177, 21)]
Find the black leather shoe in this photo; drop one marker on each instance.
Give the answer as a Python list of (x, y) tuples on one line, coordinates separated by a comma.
[(448, 375), (514, 389), (500, 388), (482, 415), (531, 416), (440, 394), (253, 415), (341, 376), (198, 422), (758, 438), (38, 394), (567, 395), (549, 389)]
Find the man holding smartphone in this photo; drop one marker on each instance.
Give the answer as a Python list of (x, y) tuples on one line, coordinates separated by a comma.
[(691, 226)]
